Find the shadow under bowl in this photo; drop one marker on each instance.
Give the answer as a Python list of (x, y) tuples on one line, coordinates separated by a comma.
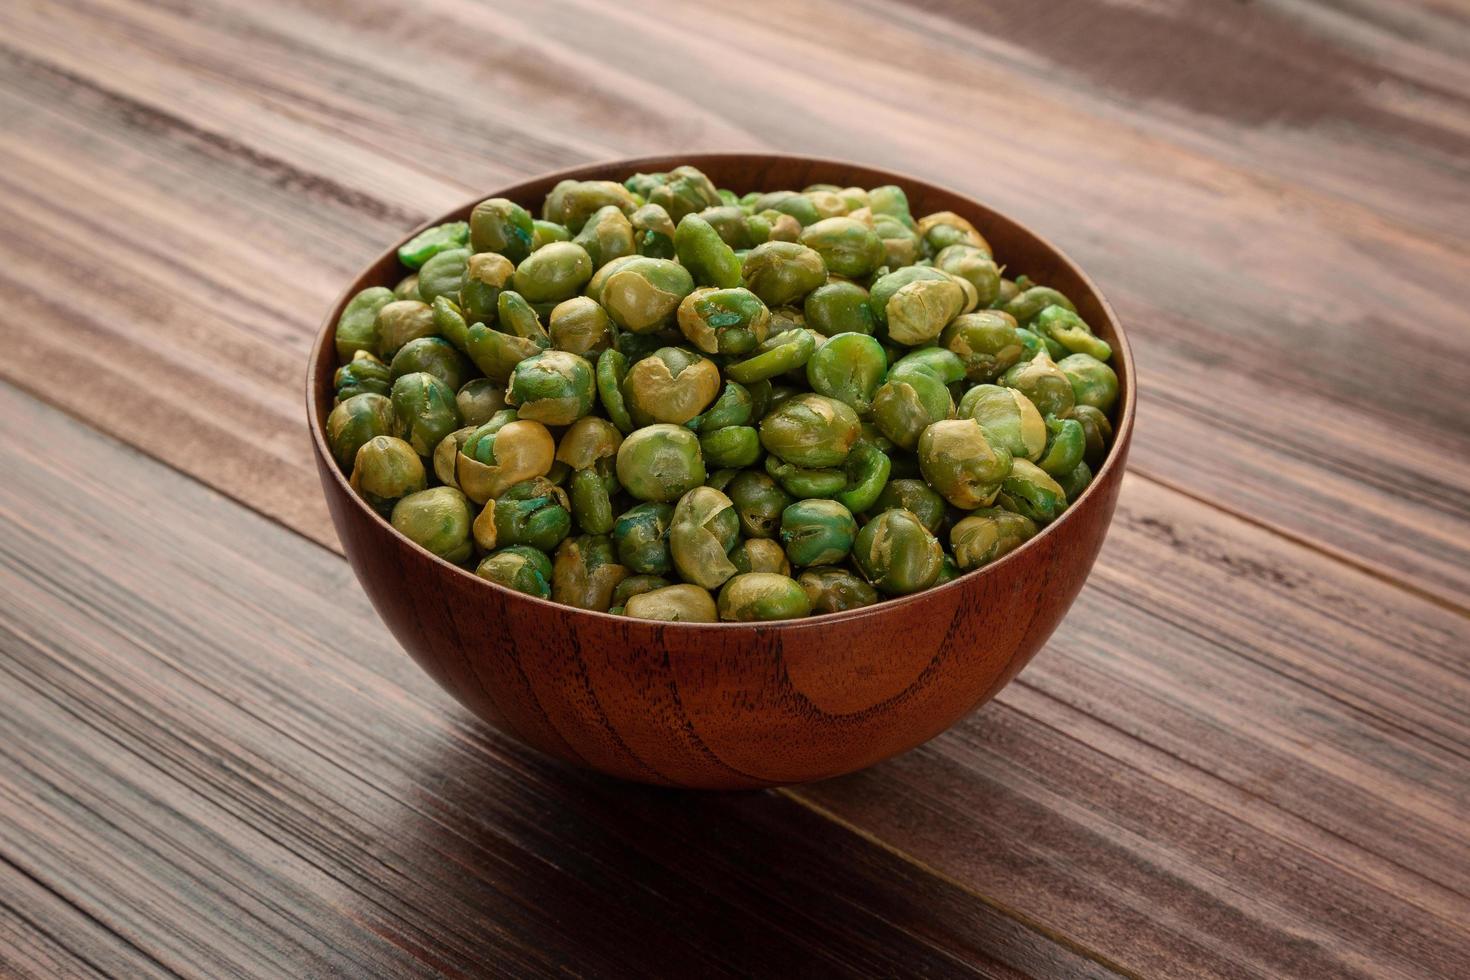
[(731, 706)]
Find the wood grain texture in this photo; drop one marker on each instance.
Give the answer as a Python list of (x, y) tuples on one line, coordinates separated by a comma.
[(1244, 752), (207, 769)]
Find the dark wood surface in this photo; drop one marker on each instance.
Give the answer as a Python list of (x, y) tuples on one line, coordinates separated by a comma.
[(735, 705), (1246, 752)]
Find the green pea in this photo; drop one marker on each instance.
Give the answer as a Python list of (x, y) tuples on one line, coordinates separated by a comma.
[(847, 246), (817, 532), (941, 363), (1076, 481), (431, 241), (1042, 381), (1096, 429), (485, 275), (762, 596), (432, 355), (612, 368), (1009, 419), (552, 387), (1072, 332), (835, 590), (399, 322), (783, 272), (572, 202), (363, 374), (1027, 304), (407, 287), (945, 229), (545, 232), (900, 242), (554, 272), (896, 553), (974, 266), (1065, 445), (704, 253), (1030, 492), (798, 206), (759, 502), (914, 496), (427, 407), (670, 385), (987, 534), (811, 431), (642, 295), (916, 303), (533, 512), (988, 342), (586, 572), (904, 407), (580, 326), (1093, 382), (733, 446), (704, 529), (804, 482), (660, 462), (653, 232), (641, 535), (607, 235), (778, 354), (443, 274), (848, 367), (760, 555), (724, 321), (734, 407), (499, 225), (437, 520), (732, 224), (636, 585), (867, 469), (839, 306), (357, 327), (518, 567), (500, 454), (959, 462), (681, 603), (890, 200), (385, 469), (682, 191)]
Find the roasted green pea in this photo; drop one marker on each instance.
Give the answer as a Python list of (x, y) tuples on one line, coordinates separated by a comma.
[(407, 287), (783, 272), (518, 567), (431, 241), (607, 235), (704, 529), (572, 202), (762, 596), (660, 462), (357, 327), (1065, 445), (732, 446), (499, 455), (502, 226), (704, 253), (653, 232), (1027, 304), (760, 555), (847, 246), (364, 374), (1009, 419), (724, 321), (1042, 381), (835, 590), (866, 470), (1075, 481), (553, 273), (585, 572), (641, 536), (552, 387), (817, 532), (580, 326), (758, 502), (848, 367), (443, 274), (839, 306), (497, 353), (805, 482), (401, 321), (776, 355), (1096, 429), (485, 275), (449, 323), (432, 355), (426, 406), (916, 303), (533, 512), (636, 585), (1030, 492), (896, 553), (681, 603), (446, 454), (904, 407), (1066, 328), (811, 430), (916, 497), (670, 385), (987, 341), (643, 295), (1007, 292), (936, 361), (945, 229), (732, 224), (387, 468), (612, 368), (1093, 382), (683, 191), (545, 232), (437, 520), (900, 242), (891, 200), (988, 534), (974, 266), (798, 206), (734, 407), (958, 461)]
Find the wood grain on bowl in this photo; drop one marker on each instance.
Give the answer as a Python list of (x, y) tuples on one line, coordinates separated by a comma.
[(733, 705)]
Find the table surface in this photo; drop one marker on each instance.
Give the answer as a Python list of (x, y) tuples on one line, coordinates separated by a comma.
[(1245, 753)]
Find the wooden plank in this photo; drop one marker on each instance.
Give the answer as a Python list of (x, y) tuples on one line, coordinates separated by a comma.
[(226, 772), (1307, 396)]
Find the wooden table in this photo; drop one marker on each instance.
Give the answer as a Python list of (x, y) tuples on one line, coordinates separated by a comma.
[(1245, 753)]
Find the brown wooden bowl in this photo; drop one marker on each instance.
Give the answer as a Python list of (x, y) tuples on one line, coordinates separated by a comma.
[(730, 705)]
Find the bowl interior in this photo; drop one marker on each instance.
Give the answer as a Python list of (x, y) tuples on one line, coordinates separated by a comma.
[(1018, 248)]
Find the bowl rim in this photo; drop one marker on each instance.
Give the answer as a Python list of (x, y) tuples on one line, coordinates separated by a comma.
[(1122, 429)]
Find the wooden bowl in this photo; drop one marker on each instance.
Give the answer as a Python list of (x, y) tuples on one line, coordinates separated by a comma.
[(727, 706)]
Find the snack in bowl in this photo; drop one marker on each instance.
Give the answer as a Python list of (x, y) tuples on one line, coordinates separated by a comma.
[(670, 401)]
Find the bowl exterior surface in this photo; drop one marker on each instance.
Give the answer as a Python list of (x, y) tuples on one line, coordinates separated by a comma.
[(734, 706)]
